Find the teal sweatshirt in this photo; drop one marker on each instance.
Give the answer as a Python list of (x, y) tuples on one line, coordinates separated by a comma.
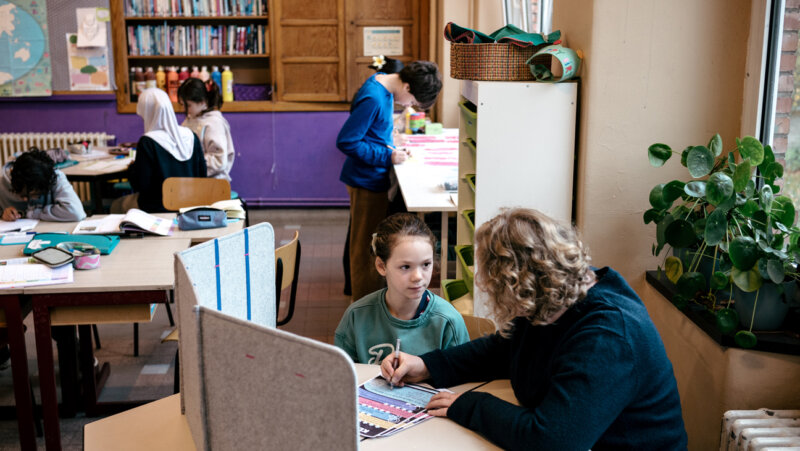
[(368, 332)]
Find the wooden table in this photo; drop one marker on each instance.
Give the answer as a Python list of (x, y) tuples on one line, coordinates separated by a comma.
[(434, 160), (96, 168), (161, 426), (136, 272)]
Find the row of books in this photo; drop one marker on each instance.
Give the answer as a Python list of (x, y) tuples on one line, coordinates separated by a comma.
[(188, 8), (148, 40)]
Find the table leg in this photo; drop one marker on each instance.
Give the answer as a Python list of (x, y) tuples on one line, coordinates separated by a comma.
[(444, 246), (19, 371), (96, 197), (47, 376), (67, 369), (92, 379)]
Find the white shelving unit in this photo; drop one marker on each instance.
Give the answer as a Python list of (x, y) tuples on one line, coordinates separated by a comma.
[(524, 153)]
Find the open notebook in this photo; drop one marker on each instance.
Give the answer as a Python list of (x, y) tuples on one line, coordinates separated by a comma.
[(134, 221)]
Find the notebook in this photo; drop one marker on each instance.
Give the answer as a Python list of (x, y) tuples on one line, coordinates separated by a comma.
[(20, 225), (134, 221)]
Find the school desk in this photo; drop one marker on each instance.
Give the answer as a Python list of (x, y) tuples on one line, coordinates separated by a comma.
[(138, 271), (433, 161), (160, 425), (96, 168)]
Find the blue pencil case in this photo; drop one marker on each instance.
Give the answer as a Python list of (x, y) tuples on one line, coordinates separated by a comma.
[(105, 243)]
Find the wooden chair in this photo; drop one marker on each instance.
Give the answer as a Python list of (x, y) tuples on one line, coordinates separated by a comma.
[(180, 192), (287, 268), (477, 326)]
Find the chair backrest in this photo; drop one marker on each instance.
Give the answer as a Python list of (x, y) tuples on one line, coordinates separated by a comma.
[(287, 269), (180, 192), (478, 327)]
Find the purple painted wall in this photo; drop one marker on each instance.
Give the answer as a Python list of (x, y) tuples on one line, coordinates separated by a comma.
[(282, 158)]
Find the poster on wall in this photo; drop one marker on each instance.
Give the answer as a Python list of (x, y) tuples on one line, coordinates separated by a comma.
[(383, 41), (24, 49), (88, 67)]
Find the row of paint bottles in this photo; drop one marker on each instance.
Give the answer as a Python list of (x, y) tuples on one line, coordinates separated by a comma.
[(171, 79)]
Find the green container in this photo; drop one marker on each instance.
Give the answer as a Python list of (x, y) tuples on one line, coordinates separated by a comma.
[(469, 143), (453, 289), (469, 117), (466, 255), (469, 215), (470, 179)]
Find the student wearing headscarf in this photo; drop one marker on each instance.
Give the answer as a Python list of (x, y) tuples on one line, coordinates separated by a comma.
[(165, 150)]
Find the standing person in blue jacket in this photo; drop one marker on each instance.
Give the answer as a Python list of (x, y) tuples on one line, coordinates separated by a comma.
[(366, 139), (585, 361)]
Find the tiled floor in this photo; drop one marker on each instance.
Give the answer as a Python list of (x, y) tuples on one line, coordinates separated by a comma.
[(320, 304)]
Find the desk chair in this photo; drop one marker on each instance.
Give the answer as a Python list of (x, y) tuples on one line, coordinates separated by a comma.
[(287, 268), (478, 327), (180, 192)]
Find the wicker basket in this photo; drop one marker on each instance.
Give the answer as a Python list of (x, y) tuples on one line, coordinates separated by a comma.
[(498, 61)]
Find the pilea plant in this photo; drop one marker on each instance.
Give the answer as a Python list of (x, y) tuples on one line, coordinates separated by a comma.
[(727, 217)]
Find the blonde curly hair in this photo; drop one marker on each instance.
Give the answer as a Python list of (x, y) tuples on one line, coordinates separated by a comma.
[(531, 266)]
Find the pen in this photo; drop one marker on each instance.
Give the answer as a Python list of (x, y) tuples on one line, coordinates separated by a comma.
[(396, 359), (17, 232)]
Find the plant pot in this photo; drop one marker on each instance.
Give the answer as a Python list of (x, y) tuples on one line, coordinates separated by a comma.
[(773, 305)]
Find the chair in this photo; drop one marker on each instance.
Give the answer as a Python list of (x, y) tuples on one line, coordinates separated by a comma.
[(180, 192), (477, 326), (287, 257)]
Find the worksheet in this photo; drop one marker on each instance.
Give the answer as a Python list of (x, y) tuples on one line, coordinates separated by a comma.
[(384, 410), (20, 272)]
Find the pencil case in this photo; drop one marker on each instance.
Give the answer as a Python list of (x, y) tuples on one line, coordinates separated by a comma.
[(202, 218)]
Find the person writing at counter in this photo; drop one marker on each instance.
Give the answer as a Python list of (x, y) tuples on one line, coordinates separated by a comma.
[(584, 359)]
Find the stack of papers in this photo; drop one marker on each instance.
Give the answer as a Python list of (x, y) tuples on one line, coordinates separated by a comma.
[(18, 272), (20, 225), (383, 410)]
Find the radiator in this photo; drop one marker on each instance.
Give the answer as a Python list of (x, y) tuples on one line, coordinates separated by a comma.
[(12, 143), (757, 430)]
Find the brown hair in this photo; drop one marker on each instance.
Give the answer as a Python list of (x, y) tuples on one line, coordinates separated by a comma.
[(531, 266), (197, 90), (393, 228)]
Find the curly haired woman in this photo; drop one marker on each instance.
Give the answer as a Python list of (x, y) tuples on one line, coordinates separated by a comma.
[(585, 361)]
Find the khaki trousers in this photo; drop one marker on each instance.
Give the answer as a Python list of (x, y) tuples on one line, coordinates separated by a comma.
[(367, 210)]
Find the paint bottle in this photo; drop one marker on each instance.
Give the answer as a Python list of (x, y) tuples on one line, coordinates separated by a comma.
[(204, 75), (132, 85), (195, 73), (149, 78), (161, 79), (217, 77), (172, 83), (184, 74), (138, 82), (227, 84)]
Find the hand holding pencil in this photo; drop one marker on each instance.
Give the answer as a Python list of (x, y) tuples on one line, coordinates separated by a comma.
[(399, 155), (399, 368)]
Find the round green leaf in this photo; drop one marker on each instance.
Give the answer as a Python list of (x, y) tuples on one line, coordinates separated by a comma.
[(771, 269), (727, 320), (680, 234), (684, 154), (745, 339), (750, 189), (766, 198), (748, 281), (719, 280), (727, 204), (743, 252), (715, 145), (775, 170), (716, 226), (741, 175), (700, 226), (657, 198), (731, 161), (661, 231), (680, 301), (783, 210), (749, 208), (659, 154), (700, 160), (651, 215), (696, 188), (672, 190), (751, 148), (719, 188), (673, 267), (769, 157), (690, 283)]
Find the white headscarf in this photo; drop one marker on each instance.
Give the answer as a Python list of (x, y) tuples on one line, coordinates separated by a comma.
[(161, 125)]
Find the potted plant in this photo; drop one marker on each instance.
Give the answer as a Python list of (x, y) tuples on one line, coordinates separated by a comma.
[(732, 230)]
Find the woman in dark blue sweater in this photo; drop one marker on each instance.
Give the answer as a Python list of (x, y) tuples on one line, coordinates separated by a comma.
[(585, 361)]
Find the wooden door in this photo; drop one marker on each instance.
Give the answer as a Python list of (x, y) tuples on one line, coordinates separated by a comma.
[(309, 50), (412, 16)]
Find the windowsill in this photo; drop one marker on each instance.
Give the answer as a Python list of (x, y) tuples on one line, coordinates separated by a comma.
[(781, 342)]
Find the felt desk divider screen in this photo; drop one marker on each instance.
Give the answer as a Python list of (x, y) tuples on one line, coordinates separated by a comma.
[(216, 273), (263, 388)]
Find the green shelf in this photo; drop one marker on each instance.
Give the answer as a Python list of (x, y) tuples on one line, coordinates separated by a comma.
[(470, 179), (469, 215)]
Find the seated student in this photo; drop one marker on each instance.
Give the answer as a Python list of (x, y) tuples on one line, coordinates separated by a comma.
[(166, 150), (405, 310), (586, 362), (202, 101), (32, 188)]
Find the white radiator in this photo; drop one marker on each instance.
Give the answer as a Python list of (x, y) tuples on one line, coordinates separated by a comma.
[(12, 143), (759, 430)]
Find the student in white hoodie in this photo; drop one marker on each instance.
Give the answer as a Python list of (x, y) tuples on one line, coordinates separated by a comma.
[(31, 187), (202, 101)]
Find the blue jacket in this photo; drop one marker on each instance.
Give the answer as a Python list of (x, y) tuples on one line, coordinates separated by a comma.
[(598, 378), (364, 138)]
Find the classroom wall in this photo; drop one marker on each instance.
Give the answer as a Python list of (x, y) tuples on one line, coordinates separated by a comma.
[(283, 158)]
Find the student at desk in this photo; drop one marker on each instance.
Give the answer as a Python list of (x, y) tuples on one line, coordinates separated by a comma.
[(166, 150), (585, 361), (31, 187)]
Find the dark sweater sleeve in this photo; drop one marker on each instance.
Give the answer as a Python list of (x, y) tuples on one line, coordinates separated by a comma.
[(593, 379), (482, 359), (140, 172), (351, 140), (201, 168)]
